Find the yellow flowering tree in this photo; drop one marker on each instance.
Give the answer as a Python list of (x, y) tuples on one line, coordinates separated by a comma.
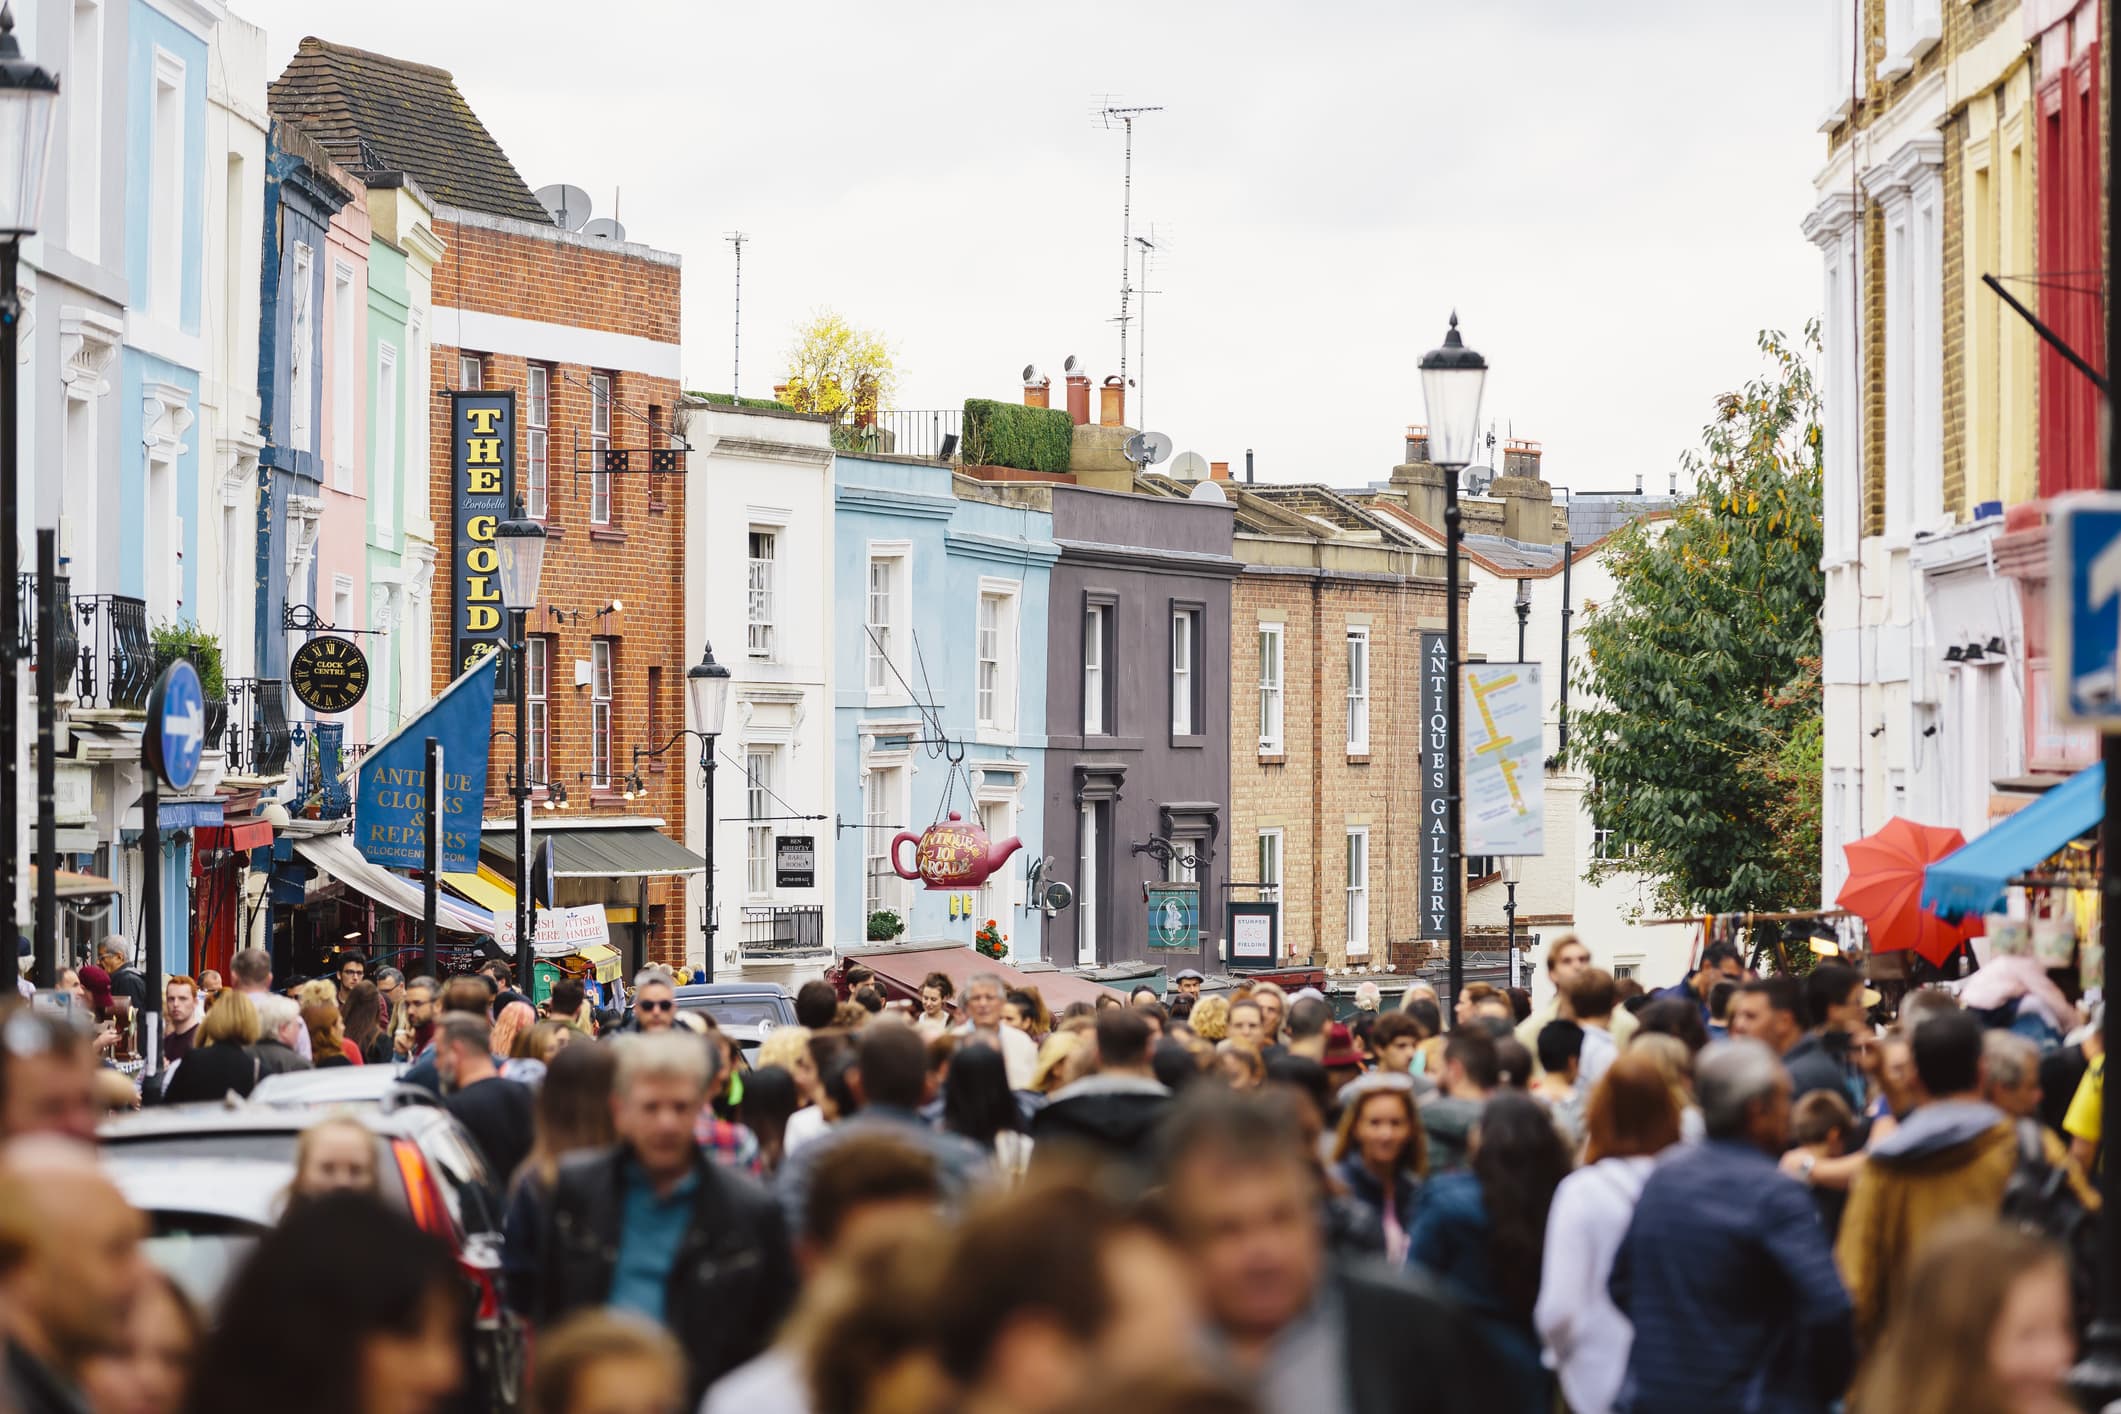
[(837, 369)]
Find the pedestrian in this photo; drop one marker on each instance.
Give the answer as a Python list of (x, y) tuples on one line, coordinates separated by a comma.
[(1244, 1023), (649, 1225), (511, 1030), (1771, 1011), (1273, 1006), (327, 1036), (1188, 982), (1629, 1120), (1985, 1326), (151, 1369), (381, 1333), (413, 1026), (390, 991), (1112, 1113), (1483, 1232), (250, 970), (497, 1112), (985, 998), (1033, 1017), (1593, 1003), (1427, 1013), (2062, 1070), (282, 1034), (337, 1154), (70, 1269), (608, 1362), (2010, 1074), (1343, 1057), (1725, 1275), (573, 1116), (181, 1016), (655, 1000), (1382, 1158), (1210, 1018), (1305, 1029), (126, 980), (1470, 1075), (351, 971), (1305, 1332), (210, 988), (936, 991), (362, 1016), (1953, 1156), (1559, 1083), (1719, 963), (1822, 1130), (1666, 1016), (890, 1066), (547, 1039), (866, 1196), (224, 1059), (1837, 1002), (463, 996), (978, 1105), (816, 1001), (769, 1101), (1239, 1065)]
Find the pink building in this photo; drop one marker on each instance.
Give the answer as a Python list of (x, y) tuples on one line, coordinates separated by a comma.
[(342, 441)]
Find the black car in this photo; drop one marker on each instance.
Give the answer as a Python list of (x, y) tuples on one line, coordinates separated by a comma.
[(740, 1003)]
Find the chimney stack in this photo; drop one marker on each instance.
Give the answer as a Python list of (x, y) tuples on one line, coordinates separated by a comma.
[(1218, 471), (1417, 445), (1078, 397), (1112, 403), (1036, 385)]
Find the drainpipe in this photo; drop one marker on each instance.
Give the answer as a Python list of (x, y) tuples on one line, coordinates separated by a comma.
[(1568, 556)]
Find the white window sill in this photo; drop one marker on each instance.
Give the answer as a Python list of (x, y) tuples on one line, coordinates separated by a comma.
[(1895, 68), (1835, 116), (989, 735)]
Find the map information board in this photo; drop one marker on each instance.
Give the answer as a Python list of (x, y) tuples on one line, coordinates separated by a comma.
[(1505, 759)]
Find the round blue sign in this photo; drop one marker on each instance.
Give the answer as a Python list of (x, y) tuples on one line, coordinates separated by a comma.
[(176, 726)]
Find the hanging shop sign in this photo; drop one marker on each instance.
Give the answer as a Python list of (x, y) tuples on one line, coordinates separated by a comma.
[(329, 674), (1174, 916), (1505, 759), (390, 807), (1255, 934), (482, 467), (951, 854), (795, 861), (1433, 878)]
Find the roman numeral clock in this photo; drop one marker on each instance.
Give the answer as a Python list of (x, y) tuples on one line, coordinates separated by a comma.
[(329, 674)]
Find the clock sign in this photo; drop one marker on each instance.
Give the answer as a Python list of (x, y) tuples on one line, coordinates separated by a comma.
[(329, 674)]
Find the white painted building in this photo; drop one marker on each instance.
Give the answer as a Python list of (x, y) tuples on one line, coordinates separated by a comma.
[(759, 588)]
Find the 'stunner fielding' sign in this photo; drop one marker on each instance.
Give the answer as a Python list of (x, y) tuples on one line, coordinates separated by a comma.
[(482, 466)]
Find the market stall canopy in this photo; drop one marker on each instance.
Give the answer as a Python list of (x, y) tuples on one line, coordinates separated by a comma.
[(1884, 889), (68, 884), (624, 852), (1973, 880), (336, 859), (903, 968)]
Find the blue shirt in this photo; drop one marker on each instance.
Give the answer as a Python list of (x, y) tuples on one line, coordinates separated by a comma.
[(651, 1228), (1730, 1283)]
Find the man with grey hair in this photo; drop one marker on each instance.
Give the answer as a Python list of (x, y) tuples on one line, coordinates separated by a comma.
[(1725, 1272), (984, 996), (655, 1000), (2010, 1077), (283, 1041), (650, 1226)]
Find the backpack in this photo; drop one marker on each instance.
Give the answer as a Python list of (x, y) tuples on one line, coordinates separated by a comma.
[(2039, 1199)]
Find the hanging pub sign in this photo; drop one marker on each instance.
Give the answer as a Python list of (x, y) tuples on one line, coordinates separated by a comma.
[(1174, 916), (795, 861), (482, 478), (329, 674)]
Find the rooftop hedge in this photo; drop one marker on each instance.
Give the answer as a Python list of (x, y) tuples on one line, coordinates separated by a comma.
[(1009, 434)]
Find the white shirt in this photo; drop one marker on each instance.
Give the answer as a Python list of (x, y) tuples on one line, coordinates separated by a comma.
[(1587, 1339), (771, 1383), (804, 1125), (1019, 1052)]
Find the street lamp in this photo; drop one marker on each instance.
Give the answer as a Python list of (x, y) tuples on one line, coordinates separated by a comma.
[(1452, 377), (1524, 613), (28, 98), (1509, 907), (520, 543), (707, 682)]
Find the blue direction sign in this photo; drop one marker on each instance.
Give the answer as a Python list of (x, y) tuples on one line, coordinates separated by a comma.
[(175, 738)]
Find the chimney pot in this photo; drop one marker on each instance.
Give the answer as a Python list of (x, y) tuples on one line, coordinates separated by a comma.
[(1079, 398), (1112, 403), (1218, 471), (1036, 394)]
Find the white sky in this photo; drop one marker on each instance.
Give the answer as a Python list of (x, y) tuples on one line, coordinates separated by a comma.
[(1608, 193)]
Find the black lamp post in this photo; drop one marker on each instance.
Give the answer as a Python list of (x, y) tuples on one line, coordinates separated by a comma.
[(1524, 613), (28, 98), (1452, 377), (520, 542), (707, 682)]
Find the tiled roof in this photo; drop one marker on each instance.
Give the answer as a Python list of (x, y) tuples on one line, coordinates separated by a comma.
[(372, 112)]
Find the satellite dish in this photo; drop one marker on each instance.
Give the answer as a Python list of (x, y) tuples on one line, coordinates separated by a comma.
[(1190, 466), (604, 228), (1033, 377), (1479, 479), (1073, 366), (1210, 492), (568, 205), (1153, 447)]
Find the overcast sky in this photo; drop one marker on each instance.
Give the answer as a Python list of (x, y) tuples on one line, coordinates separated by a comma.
[(1609, 194)]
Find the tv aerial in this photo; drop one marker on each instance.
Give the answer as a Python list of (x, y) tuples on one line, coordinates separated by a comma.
[(568, 205), (1146, 449)]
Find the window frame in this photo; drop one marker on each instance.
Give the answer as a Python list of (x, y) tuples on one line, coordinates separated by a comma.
[(1357, 653), (302, 357), (344, 397), (758, 822), (537, 441), (882, 888), (603, 710), (1356, 891), (603, 504), (537, 689), (383, 481), (1101, 625), (761, 638), (167, 246), (1272, 843), (1186, 669), (1273, 702), (878, 618), (995, 702), (471, 372)]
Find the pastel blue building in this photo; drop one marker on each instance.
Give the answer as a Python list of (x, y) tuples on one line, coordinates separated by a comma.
[(940, 704)]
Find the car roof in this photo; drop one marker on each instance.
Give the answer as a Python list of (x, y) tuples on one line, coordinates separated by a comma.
[(735, 989), (336, 1085), (246, 1190), (211, 1117)]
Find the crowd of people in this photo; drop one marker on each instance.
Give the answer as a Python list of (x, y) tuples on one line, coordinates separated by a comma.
[(1742, 1192)]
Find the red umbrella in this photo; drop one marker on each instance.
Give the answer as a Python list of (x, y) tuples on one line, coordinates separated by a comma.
[(1884, 889)]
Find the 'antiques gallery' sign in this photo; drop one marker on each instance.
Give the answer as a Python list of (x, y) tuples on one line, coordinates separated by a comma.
[(1434, 874), (329, 674), (482, 465)]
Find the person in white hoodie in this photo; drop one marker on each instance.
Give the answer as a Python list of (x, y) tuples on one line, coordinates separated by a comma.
[(1630, 1119)]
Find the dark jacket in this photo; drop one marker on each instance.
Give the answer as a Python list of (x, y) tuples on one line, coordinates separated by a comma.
[(1813, 1067), (1406, 1345), (1450, 1242), (1727, 1278), (1113, 1114), (28, 1386), (731, 1281), (1447, 1125), (1683, 991), (209, 1073), (1364, 1189), (275, 1056)]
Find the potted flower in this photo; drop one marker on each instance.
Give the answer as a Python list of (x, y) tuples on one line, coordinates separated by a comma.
[(884, 925), (991, 941), (172, 641)]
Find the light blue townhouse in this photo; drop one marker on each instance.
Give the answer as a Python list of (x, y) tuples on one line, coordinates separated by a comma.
[(940, 690)]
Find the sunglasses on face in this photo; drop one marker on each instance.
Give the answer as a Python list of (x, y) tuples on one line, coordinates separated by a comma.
[(655, 1006)]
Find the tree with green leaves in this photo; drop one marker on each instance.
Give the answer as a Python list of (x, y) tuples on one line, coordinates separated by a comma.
[(1701, 734), (838, 369)]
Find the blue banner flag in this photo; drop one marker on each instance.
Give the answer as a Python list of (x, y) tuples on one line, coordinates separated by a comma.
[(390, 808)]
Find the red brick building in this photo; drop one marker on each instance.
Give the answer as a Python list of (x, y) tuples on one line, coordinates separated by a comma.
[(584, 331)]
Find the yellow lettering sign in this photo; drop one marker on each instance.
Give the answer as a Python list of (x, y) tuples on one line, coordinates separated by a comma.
[(480, 528), (483, 559), (481, 618), (483, 419), (482, 451)]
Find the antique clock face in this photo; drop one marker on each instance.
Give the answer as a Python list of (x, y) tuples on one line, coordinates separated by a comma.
[(329, 674)]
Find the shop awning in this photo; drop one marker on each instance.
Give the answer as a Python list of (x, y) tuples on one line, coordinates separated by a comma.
[(486, 888), (624, 852), (72, 885), (1973, 878), (337, 860), (902, 969)]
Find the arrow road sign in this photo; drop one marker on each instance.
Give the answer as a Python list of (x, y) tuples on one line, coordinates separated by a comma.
[(175, 737), (2084, 588)]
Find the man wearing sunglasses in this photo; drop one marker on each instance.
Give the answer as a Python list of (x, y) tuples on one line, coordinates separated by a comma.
[(655, 1001)]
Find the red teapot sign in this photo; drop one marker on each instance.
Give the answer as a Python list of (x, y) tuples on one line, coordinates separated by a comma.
[(951, 854)]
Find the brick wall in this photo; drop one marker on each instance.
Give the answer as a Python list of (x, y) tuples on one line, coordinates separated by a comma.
[(637, 559)]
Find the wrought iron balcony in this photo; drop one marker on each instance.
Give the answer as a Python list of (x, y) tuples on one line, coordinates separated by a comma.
[(930, 433), (67, 637), (791, 930), (117, 656), (257, 707)]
